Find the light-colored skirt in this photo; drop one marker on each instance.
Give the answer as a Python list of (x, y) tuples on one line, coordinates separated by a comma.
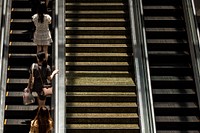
[(42, 38)]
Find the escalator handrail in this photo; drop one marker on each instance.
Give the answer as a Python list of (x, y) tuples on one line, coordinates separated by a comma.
[(60, 88), (140, 55), (1, 12), (194, 41), (4, 43)]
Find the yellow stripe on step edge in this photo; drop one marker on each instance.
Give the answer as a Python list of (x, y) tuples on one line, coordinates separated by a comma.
[(7, 93), (5, 120), (8, 80)]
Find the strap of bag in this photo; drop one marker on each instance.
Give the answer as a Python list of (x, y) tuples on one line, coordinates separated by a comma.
[(40, 76), (30, 84)]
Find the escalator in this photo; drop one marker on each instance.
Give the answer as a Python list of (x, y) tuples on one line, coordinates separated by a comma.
[(100, 87), (22, 53), (173, 86)]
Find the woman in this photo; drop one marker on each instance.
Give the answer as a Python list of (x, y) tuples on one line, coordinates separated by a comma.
[(42, 123), (42, 35), (40, 73)]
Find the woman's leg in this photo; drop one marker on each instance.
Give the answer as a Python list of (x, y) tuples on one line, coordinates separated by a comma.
[(45, 49), (39, 48), (41, 103), (47, 3)]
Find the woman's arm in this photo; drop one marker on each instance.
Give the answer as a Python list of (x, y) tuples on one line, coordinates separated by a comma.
[(53, 74), (31, 78)]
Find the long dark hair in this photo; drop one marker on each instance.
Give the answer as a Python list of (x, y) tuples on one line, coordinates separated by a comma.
[(41, 58), (41, 11), (43, 117)]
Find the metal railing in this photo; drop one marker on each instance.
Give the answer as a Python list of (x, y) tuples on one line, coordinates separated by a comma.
[(194, 41), (4, 44), (60, 87), (142, 74)]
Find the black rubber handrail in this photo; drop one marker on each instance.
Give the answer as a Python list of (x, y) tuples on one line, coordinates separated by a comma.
[(59, 49), (194, 41), (140, 55), (4, 44)]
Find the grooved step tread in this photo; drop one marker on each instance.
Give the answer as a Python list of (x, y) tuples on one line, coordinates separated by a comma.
[(173, 91), (172, 66), (178, 131), (158, 7), (22, 107), (164, 29), (95, 28), (103, 126), (94, 12), (21, 9), (101, 115), (97, 45), (96, 54), (175, 105), (94, 4), (86, 94), (172, 78), (22, 44), (161, 18), (97, 63), (95, 37), (177, 53), (16, 122), (101, 104), (177, 119), (167, 41), (99, 94), (21, 20), (95, 20)]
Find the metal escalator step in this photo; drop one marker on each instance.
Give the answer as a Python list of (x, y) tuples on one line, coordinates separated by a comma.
[(173, 91), (101, 104), (172, 78), (177, 119), (175, 105), (95, 37), (167, 41), (101, 115), (100, 88), (97, 45), (94, 4), (22, 107), (103, 126), (178, 131)]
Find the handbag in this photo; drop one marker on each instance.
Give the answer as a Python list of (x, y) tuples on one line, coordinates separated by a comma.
[(47, 89), (28, 98)]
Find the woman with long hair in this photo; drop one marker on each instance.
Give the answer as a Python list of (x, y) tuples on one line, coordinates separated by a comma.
[(42, 123), (42, 35), (40, 74)]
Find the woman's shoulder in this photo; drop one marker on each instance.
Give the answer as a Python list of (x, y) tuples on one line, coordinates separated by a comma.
[(47, 16), (35, 16)]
